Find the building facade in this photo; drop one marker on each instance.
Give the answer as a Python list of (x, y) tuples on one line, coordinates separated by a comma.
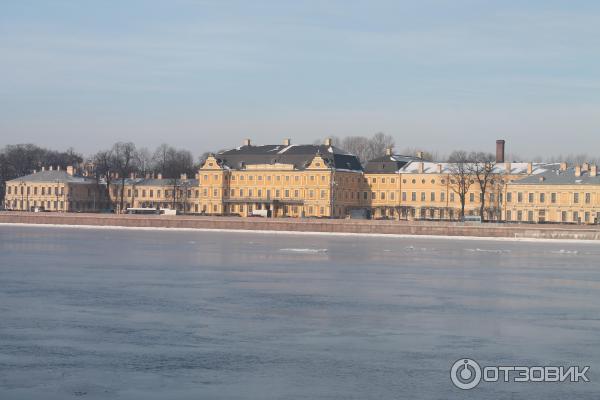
[(282, 180), (563, 195), (179, 194), (323, 181), (54, 189)]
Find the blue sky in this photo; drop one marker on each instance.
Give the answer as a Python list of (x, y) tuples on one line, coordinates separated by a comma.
[(203, 75)]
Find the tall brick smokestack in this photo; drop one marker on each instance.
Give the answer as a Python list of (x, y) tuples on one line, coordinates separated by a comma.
[(500, 151)]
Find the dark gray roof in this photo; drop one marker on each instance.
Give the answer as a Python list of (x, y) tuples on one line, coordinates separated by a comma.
[(54, 176), (298, 155), (388, 164), (557, 177), (155, 182)]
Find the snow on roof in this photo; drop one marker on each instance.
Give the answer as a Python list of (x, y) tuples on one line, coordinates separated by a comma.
[(500, 168)]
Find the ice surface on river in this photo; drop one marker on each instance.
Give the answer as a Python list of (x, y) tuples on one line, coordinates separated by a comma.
[(141, 314)]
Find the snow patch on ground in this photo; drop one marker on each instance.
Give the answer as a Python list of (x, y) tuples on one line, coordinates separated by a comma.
[(562, 251), (304, 250), (499, 251)]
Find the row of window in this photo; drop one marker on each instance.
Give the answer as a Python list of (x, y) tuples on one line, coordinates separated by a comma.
[(575, 216), (531, 197), (43, 190), (150, 192)]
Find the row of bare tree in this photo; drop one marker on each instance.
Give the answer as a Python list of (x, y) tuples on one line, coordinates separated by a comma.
[(467, 169), (123, 159)]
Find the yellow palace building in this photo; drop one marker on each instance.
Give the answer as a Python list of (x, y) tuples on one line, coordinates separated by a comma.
[(284, 180)]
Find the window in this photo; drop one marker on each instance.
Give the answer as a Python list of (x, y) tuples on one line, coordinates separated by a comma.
[(508, 215), (413, 196), (530, 216), (382, 180), (392, 196), (382, 196), (393, 180), (296, 193), (452, 196), (519, 215), (472, 197), (553, 197), (422, 196), (322, 194), (442, 196), (575, 216), (563, 216), (519, 197), (588, 198), (373, 195), (432, 196), (575, 197), (530, 198), (374, 180), (151, 193), (542, 197), (509, 197), (403, 196)]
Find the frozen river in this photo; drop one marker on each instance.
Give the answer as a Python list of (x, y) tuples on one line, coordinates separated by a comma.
[(134, 314)]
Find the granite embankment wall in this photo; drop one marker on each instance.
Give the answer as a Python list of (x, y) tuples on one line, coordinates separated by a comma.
[(312, 225)]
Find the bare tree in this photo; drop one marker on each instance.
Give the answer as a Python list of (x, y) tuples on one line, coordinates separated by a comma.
[(460, 176), (144, 161), (379, 143), (481, 167), (357, 145), (124, 162), (103, 168)]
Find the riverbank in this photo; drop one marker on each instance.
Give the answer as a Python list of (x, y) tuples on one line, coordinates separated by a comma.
[(419, 228)]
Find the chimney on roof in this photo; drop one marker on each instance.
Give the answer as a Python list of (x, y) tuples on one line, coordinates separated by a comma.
[(116, 175), (585, 166), (578, 170), (542, 179), (70, 170), (529, 168), (439, 168), (159, 176), (147, 175), (50, 168), (43, 168), (183, 177), (593, 170), (34, 171), (287, 142), (500, 151), (421, 167), (328, 142), (420, 154), (388, 151), (563, 166), (247, 142), (58, 167), (132, 175)]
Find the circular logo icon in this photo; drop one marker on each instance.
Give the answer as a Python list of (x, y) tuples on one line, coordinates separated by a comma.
[(465, 374)]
